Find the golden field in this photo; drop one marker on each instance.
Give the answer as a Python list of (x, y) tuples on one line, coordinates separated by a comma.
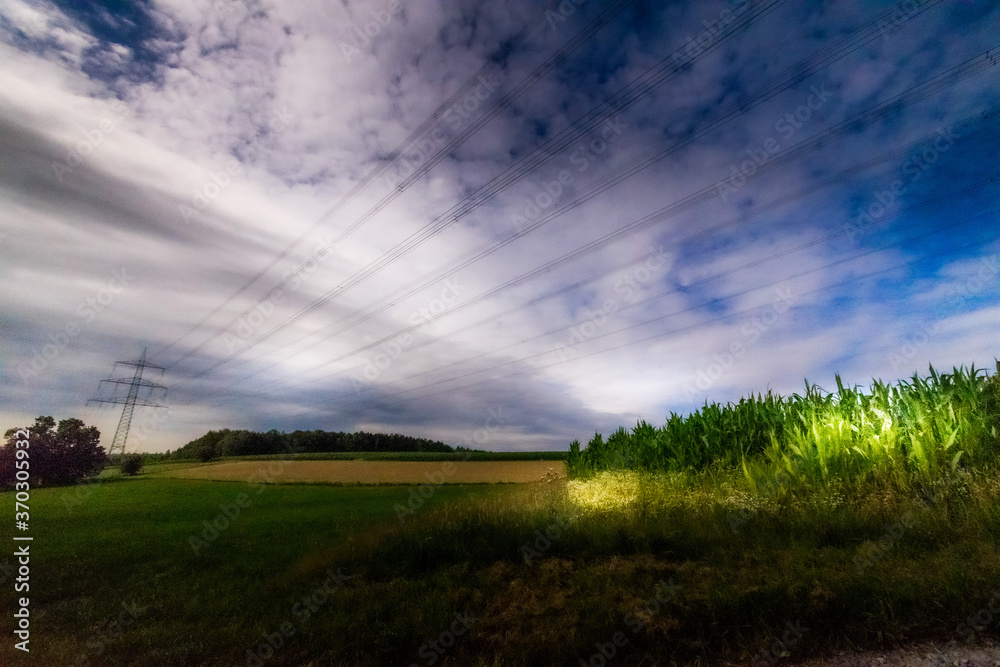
[(372, 472)]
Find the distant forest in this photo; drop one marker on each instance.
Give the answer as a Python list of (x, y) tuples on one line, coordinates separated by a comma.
[(245, 443)]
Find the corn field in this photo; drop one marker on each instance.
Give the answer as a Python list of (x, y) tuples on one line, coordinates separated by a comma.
[(919, 429)]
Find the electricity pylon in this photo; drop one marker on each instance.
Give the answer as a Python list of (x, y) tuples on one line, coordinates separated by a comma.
[(135, 383)]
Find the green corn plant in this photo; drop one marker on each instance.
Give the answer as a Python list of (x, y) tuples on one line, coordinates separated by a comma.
[(915, 430)]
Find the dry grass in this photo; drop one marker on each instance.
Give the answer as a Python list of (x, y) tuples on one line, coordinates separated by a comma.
[(373, 472)]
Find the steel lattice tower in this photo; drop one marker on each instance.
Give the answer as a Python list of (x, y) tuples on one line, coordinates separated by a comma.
[(130, 400)]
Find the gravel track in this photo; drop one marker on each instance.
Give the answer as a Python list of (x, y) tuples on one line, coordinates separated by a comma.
[(919, 654)]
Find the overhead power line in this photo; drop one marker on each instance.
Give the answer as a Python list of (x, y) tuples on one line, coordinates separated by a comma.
[(893, 105), (624, 98), (870, 31), (494, 63), (505, 101)]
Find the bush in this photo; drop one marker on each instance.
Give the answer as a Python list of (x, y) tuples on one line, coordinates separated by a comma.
[(206, 452), (55, 456), (132, 463)]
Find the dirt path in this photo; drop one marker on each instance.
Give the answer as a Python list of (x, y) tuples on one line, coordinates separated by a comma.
[(920, 654)]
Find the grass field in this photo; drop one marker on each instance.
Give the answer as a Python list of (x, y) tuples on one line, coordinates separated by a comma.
[(370, 472), (130, 542), (861, 520), (548, 573)]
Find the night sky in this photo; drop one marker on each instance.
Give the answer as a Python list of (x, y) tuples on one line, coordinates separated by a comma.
[(504, 225)]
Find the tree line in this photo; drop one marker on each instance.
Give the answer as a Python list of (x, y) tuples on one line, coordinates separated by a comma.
[(54, 454), (227, 442)]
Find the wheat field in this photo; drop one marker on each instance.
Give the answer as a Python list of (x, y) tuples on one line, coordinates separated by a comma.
[(373, 472)]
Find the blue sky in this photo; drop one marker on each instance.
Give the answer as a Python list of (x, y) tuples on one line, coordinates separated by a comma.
[(505, 225)]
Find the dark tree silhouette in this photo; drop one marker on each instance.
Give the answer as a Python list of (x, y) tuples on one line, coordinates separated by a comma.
[(131, 464), (56, 456), (242, 443)]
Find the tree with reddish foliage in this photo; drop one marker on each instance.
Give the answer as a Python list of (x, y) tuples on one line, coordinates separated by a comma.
[(56, 455)]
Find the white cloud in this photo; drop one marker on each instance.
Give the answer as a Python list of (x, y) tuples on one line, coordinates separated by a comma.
[(269, 87)]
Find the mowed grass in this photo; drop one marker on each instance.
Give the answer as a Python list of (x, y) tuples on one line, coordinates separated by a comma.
[(128, 541), (369, 472), (550, 572)]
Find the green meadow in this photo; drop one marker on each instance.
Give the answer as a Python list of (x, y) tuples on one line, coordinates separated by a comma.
[(767, 532), (206, 594)]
